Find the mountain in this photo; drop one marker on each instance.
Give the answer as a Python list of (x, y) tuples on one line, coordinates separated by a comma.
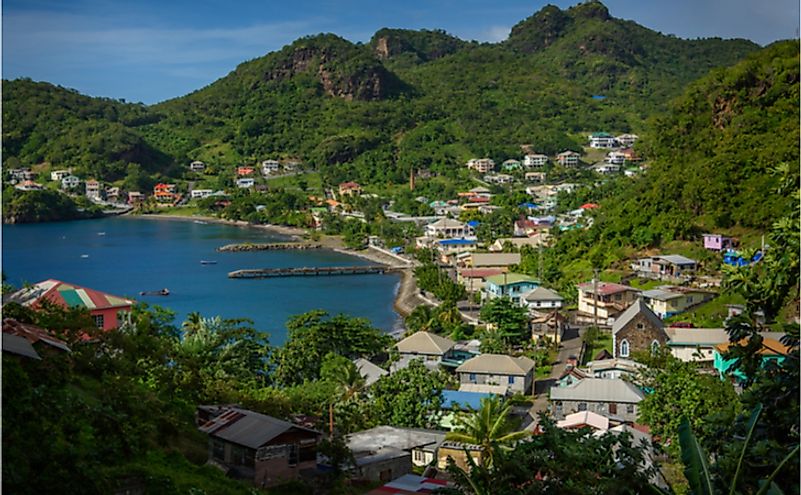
[(370, 112)]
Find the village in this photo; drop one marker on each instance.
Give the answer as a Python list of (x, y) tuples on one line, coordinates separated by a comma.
[(577, 359)]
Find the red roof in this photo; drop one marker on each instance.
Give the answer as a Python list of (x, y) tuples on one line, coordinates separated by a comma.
[(69, 295), (588, 206), (349, 185), (32, 333), (605, 288)]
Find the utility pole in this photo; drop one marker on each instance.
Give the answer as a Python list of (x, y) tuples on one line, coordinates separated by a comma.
[(539, 267), (595, 297)]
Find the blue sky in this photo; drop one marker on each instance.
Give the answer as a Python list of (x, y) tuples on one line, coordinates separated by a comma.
[(152, 50)]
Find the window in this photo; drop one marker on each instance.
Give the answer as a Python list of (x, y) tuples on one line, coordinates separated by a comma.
[(217, 449), (640, 326), (624, 348), (558, 405), (629, 408), (472, 377), (582, 406), (293, 454), (654, 346), (99, 321), (511, 380), (613, 408)]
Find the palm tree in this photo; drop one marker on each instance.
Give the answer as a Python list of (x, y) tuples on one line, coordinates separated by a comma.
[(489, 428), (349, 385)]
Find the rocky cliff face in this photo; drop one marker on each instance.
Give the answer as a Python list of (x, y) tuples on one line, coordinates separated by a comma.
[(423, 46)]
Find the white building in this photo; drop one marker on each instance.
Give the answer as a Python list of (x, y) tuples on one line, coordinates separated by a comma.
[(499, 178), (536, 177), (541, 298), (535, 161), (627, 140), (197, 166), (57, 175), (269, 167), (92, 189), (200, 193), (245, 183), (447, 228), (602, 140), (615, 158), (568, 158), (69, 181), (607, 168)]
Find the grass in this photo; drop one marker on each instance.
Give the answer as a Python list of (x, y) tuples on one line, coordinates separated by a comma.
[(604, 341), (314, 183), (645, 284)]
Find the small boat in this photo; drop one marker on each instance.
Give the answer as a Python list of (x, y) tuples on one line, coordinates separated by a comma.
[(162, 292), (201, 222), (84, 256), (101, 233), (208, 262)]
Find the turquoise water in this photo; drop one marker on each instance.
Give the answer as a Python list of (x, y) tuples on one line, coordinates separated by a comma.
[(140, 254)]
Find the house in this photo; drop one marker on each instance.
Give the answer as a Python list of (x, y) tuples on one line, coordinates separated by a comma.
[(57, 175), (614, 399), (112, 194), (369, 371), (481, 165), (584, 419), (772, 351), (458, 452), (69, 182), (602, 140), (23, 339), (541, 298), (717, 242), (93, 189), (613, 368), (514, 373), (450, 247), (386, 452), (410, 484), (245, 183), (511, 165), (607, 168), (630, 155), (28, 185), (612, 299), (536, 240), (430, 347), (511, 285), (197, 166), (164, 193), (626, 140), (551, 325), (135, 197), (638, 329), (568, 158), (457, 402), (696, 344), (492, 260), (107, 311), (200, 193), (447, 228), (499, 179), (535, 161), (481, 192), (536, 177), (523, 227), (244, 171), (572, 374), (667, 300), (474, 279), (668, 266), (261, 449), (615, 158), (20, 174), (350, 189)]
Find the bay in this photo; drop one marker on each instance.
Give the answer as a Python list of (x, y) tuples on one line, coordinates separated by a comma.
[(126, 255)]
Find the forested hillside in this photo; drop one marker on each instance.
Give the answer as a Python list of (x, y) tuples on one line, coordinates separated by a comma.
[(370, 112)]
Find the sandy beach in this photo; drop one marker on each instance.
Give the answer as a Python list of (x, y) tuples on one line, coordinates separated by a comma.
[(295, 232)]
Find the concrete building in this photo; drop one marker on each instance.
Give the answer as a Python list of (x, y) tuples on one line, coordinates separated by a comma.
[(638, 329), (616, 399), (515, 373)]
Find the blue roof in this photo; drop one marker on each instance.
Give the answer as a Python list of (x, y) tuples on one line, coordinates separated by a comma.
[(598, 97), (527, 205), (456, 242), (473, 223), (464, 399)]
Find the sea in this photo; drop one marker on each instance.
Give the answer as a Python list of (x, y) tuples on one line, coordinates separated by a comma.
[(127, 255)]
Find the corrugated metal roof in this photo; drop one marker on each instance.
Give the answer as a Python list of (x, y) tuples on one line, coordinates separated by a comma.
[(66, 294), (497, 364), (19, 345), (248, 428), (425, 343), (369, 371), (495, 259), (510, 278), (676, 259), (636, 308), (542, 294), (599, 390)]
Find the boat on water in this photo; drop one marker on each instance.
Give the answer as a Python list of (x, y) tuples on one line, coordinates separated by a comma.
[(101, 233), (201, 222), (208, 262), (84, 256), (162, 292)]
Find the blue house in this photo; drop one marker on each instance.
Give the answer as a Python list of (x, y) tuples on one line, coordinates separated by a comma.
[(511, 285), (772, 351)]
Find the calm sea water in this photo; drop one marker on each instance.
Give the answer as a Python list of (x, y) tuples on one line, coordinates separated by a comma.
[(139, 254)]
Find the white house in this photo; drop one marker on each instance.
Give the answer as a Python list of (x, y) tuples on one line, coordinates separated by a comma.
[(568, 158), (197, 166), (534, 161), (447, 228), (481, 165), (245, 183), (615, 158), (92, 189), (602, 140), (536, 177), (607, 168), (270, 167), (57, 175), (499, 178), (541, 298), (627, 140), (69, 181), (200, 193)]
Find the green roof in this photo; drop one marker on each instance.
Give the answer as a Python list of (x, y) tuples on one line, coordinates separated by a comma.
[(601, 134), (510, 278)]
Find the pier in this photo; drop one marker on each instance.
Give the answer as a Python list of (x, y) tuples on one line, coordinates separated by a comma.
[(275, 246), (314, 271)]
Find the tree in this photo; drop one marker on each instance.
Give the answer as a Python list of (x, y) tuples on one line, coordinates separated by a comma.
[(409, 397), (509, 320), (314, 334), (490, 428), (349, 383)]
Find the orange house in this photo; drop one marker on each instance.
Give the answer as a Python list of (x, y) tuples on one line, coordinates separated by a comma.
[(243, 171)]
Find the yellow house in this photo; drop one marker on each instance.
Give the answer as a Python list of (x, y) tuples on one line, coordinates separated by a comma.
[(458, 452), (667, 301)]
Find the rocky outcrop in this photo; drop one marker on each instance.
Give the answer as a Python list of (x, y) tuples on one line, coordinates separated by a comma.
[(422, 46)]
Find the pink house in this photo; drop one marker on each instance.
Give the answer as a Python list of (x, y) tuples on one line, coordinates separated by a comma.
[(717, 242)]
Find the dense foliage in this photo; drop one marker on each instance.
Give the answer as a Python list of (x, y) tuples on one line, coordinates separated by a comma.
[(44, 206)]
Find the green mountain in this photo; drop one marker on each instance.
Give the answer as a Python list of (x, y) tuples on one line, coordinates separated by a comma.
[(370, 112)]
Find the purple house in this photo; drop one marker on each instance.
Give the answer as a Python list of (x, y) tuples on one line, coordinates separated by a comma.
[(717, 242)]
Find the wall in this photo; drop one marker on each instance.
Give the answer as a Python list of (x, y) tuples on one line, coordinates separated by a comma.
[(521, 384), (639, 339), (602, 408)]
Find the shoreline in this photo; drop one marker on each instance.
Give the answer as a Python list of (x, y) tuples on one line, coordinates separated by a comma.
[(294, 232)]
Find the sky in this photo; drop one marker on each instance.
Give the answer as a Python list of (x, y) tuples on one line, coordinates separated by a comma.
[(152, 50)]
